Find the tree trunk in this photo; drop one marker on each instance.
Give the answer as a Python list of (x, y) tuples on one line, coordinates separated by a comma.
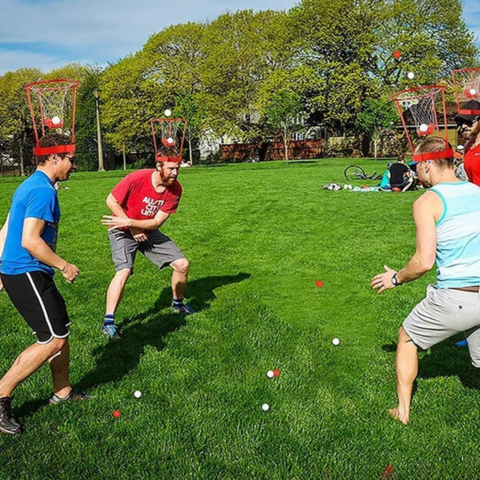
[(375, 148), (22, 166), (124, 158), (285, 142), (190, 151)]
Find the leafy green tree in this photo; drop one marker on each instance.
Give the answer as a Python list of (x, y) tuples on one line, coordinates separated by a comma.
[(129, 100), (283, 113), (190, 107), (15, 118), (243, 50), (85, 121), (375, 118)]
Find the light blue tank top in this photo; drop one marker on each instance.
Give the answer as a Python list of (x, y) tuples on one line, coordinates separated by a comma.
[(458, 235)]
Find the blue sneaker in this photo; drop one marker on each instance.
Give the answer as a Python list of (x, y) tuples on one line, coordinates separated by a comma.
[(111, 331), (182, 308), (462, 343)]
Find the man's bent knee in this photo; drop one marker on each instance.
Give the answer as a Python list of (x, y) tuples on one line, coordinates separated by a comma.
[(403, 335), (57, 344), (123, 274), (181, 265)]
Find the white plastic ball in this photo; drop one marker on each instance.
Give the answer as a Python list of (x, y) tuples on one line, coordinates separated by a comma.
[(265, 407), (336, 341), (410, 75), (423, 127), (473, 91), (170, 140), (168, 112), (137, 394), (56, 120), (270, 374)]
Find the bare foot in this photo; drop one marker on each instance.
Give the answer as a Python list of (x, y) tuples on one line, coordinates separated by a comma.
[(394, 412)]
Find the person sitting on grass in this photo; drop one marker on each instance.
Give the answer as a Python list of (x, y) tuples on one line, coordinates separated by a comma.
[(447, 220), (401, 178)]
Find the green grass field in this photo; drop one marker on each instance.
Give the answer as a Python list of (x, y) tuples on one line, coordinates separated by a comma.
[(258, 238)]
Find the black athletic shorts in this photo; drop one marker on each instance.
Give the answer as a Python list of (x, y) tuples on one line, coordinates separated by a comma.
[(37, 299)]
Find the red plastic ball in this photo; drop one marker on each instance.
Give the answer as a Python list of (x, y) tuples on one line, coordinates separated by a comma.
[(116, 413), (319, 283), (276, 372), (396, 54)]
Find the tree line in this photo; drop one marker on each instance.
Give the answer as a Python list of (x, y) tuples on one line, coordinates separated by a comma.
[(248, 76)]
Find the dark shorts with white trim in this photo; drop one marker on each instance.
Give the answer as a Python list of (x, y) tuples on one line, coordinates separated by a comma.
[(37, 299)]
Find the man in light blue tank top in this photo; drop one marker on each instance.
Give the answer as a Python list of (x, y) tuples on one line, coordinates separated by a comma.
[(447, 221)]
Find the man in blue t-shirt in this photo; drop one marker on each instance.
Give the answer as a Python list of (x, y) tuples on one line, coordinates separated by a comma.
[(28, 242)]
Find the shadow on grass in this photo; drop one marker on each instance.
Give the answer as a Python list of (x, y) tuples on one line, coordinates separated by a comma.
[(115, 359), (446, 360)]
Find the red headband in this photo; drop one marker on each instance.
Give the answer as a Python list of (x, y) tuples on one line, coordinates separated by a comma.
[(169, 159), (39, 151), (423, 157)]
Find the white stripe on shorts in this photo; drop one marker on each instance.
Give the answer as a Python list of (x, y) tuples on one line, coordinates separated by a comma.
[(44, 310)]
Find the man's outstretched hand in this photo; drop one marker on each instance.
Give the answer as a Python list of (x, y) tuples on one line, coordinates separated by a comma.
[(383, 281)]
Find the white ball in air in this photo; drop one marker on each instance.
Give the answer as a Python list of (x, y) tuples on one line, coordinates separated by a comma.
[(168, 112), (410, 75)]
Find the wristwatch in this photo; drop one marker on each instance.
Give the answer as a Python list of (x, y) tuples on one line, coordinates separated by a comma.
[(394, 280)]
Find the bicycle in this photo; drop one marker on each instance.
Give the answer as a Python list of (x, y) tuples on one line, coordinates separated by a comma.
[(355, 172)]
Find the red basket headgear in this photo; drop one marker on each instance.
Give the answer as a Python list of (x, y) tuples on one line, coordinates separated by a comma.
[(52, 107), (168, 137), (418, 108)]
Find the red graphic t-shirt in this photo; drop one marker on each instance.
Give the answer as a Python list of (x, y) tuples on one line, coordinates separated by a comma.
[(140, 201), (472, 164)]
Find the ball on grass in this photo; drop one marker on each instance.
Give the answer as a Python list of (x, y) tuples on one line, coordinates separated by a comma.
[(319, 283), (276, 372), (336, 341), (270, 374), (265, 407), (116, 413), (137, 394), (411, 75), (168, 112)]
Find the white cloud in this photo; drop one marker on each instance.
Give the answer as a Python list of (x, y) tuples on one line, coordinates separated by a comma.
[(107, 29), (11, 60)]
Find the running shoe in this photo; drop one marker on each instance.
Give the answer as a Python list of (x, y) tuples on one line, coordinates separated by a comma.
[(111, 331), (8, 424)]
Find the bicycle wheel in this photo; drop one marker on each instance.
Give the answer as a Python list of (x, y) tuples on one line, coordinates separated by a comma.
[(354, 172)]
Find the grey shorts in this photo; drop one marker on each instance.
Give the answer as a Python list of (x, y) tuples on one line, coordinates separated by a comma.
[(442, 314), (159, 249)]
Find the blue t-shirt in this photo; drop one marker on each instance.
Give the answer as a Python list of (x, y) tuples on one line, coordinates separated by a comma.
[(36, 197)]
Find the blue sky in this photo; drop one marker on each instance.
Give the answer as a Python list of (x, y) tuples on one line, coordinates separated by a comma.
[(50, 33)]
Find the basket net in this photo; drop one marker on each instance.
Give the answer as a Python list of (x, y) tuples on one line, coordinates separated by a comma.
[(52, 106), (419, 110), (466, 85), (168, 137)]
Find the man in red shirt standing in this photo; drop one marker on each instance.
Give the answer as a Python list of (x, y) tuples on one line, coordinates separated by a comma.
[(141, 203), (469, 126)]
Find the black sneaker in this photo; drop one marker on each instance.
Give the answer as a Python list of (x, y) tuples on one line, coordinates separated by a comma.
[(8, 424), (73, 395)]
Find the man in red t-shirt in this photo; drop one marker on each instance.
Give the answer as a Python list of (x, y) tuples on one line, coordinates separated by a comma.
[(469, 127), (141, 203)]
